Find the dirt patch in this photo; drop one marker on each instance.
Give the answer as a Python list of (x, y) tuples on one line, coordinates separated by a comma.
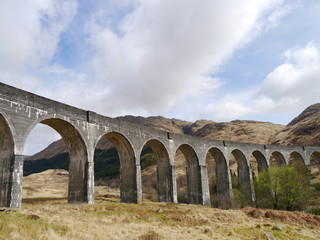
[(283, 216)]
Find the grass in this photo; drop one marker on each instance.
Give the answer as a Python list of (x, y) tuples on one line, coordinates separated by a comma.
[(16, 225), (46, 215), (109, 219)]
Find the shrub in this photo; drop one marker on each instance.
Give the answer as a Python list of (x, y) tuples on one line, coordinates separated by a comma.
[(314, 210), (282, 188)]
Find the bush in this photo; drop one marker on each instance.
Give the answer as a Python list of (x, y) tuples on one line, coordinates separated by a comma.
[(239, 199), (316, 186), (282, 188), (148, 160), (314, 210)]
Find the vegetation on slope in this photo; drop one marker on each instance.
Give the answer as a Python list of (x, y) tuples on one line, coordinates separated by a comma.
[(283, 188), (60, 161), (109, 219), (106, 162)]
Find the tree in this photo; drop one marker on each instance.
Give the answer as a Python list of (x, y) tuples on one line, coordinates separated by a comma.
[(282, 188)]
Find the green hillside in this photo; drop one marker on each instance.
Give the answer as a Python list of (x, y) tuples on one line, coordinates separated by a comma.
[(106, 162)]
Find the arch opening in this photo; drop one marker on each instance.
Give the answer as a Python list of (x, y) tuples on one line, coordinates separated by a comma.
[(241, 179), (297, 161), (315, 167), (115, 166), (6, 162), (72, 156), (155, 167), (258, 163), (188, 175), (219, 183), (277, 159)]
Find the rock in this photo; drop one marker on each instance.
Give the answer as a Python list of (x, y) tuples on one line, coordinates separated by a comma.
[(6, 209), (160, 211), (269, 235), (277, 228), (34, 217)]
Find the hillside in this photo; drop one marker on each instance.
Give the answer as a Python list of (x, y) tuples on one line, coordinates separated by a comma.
[(303, 130), (241, 131)]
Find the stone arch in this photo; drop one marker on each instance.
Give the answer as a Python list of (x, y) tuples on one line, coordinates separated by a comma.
[(6, 162), (163, 170), (245, 185), (261, 161), (277, 159), (223, 187), (298, 162), (78, 155), (128, 173), (194, 187), (295, 158)]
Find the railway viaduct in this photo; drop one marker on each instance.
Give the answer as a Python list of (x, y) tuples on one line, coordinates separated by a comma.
[(21, 111)]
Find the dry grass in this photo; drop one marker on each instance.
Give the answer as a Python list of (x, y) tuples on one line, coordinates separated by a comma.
[(52, 218), (109, 219)]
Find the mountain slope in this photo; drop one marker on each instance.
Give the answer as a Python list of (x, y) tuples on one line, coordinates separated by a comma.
[(303, 130), (240, 131)]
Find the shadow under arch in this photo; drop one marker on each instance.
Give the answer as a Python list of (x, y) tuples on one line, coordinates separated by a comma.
[(261, 160), (279, 159), (128, 173), (164, 171), (315, 166), (78, 155), (194, 187), (297, 161), (244, 180), (222, 180), (6, 162)]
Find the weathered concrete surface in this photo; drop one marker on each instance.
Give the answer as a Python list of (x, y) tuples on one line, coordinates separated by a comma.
[(21, 111)]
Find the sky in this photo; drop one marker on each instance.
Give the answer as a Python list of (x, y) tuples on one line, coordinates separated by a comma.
[(216, 60)]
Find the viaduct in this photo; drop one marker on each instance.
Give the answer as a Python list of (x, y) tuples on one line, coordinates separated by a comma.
[(21, 111)]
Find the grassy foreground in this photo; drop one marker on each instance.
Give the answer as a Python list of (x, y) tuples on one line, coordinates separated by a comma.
[(46, 215), (108, 219)]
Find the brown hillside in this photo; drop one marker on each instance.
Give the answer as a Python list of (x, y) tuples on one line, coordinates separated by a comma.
[(160, 123), (240, 131), (52, 150), (303, 130)]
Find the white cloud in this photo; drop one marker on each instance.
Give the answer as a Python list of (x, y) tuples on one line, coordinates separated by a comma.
[(286, 91), (164, 52), (39, 138), (295, 83), (30, 32), (147, 57)]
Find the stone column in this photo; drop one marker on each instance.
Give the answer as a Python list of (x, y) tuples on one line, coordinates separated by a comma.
[(90, 183), (139, 184), (205, 186), (174, 192), (16, 182), (252, 192)]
